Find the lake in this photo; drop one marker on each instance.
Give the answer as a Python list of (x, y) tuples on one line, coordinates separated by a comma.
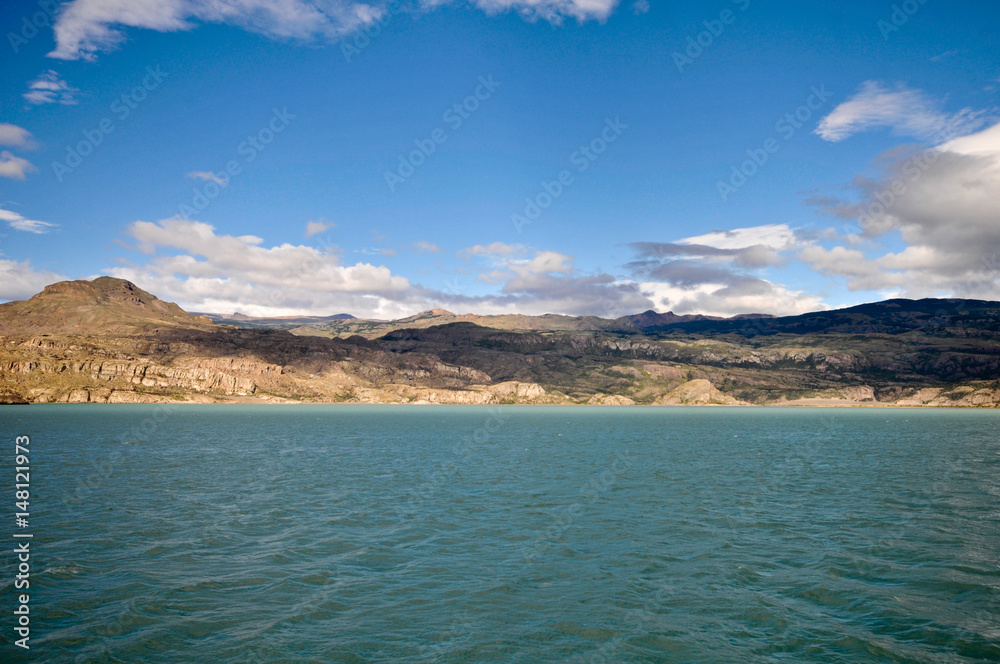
[(245, 533)]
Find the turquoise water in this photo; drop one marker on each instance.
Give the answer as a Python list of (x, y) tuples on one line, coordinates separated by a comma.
[(464, 534)]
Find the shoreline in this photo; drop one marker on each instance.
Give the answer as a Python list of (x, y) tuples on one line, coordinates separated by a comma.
[(250, 401)]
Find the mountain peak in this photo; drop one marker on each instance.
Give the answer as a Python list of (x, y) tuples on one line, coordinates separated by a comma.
[(103, 305)]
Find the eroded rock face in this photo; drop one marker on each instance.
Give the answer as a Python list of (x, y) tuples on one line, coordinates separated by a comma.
[(965, 396), (52, 369), (610, 400), (859, 393), (697, 392)]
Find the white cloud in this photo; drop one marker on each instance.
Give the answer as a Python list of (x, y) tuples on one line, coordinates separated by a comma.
[(907, 112), (317, 227), (492, 249), (720, 299), (942, 204), (426, 247), (18, 281), (717, 273), (14, 167), (204, 271), (640, 7), (224, 273), (551, 10), (16, 137), (208, 176), (774, 236), (48, 88), (87, 27), (190, 263), (19, 223)]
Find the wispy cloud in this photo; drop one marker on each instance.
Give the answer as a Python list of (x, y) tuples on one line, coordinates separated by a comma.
[(50, 89), (14, 167), (16, 137), (492, 249), (85, 28), (208, 176), (19, 223), (905, 111), (426, 247), (318, 226)]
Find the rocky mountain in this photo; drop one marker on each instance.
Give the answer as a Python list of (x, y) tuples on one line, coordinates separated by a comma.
[(344, 325), (276, 323), (104, 306), (109, 341)]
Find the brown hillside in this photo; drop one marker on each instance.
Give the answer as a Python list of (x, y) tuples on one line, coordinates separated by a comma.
[(104, 306)]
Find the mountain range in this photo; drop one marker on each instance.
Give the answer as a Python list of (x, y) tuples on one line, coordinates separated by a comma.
[(109, 341)]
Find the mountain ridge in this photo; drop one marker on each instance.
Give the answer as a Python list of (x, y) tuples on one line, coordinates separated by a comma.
[(109, 341)]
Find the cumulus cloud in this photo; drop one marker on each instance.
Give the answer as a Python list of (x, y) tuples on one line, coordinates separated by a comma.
[(19, 223), (535, 281), (14, 167), (19, 281), (545, 281), (85, 28), (747, 296), (206, 271), (907, 112), (50, 89), (774, 236), (712, 257), (190, 263), (16, 137), (716, 273), (941, 204)]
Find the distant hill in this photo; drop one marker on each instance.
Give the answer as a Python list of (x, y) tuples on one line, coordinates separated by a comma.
[(274, 322), (104, 306), (899, 316), (107, 340), (347, 326)]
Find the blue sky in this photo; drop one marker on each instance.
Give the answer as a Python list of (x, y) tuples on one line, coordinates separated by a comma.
[(565, 156)]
